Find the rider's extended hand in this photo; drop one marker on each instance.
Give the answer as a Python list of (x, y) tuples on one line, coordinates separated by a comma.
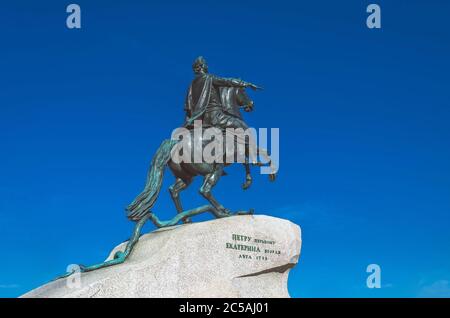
[(254, 87)]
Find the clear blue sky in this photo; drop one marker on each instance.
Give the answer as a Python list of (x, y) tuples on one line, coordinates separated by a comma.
[(363, 117)]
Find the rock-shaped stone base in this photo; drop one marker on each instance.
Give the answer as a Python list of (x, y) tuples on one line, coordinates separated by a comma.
[(240, 256)]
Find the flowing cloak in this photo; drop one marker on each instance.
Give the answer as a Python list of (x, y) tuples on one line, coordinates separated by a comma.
[(200, 93), (197, 98)]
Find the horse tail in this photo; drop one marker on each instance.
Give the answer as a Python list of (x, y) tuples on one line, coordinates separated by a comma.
[(145, 201)]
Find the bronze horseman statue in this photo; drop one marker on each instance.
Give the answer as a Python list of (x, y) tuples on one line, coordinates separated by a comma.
[(215, 102)]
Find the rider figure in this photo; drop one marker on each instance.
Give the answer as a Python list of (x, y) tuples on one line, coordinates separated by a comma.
[(203, 99)]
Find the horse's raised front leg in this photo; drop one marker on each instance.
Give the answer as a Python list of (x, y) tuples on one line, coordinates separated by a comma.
[(268, 160)]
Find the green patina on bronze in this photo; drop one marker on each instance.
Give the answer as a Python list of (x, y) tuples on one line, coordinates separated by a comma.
[(217, 102)]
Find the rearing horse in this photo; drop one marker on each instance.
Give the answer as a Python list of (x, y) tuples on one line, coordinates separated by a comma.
[(233, 99)]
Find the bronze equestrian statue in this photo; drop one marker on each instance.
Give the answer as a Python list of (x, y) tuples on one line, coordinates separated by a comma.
[(216, 102)]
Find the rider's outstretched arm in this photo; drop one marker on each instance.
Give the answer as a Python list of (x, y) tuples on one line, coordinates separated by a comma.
[(229, 82)]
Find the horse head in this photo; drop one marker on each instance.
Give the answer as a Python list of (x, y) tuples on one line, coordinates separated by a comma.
[(233, 99), (243, 100)]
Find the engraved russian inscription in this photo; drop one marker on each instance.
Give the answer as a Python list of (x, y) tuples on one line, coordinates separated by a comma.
[(253, 248)]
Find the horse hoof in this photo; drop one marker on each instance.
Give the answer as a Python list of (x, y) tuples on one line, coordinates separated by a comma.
[(187, 220), (226, 212), (272, 177), (249, 212)]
